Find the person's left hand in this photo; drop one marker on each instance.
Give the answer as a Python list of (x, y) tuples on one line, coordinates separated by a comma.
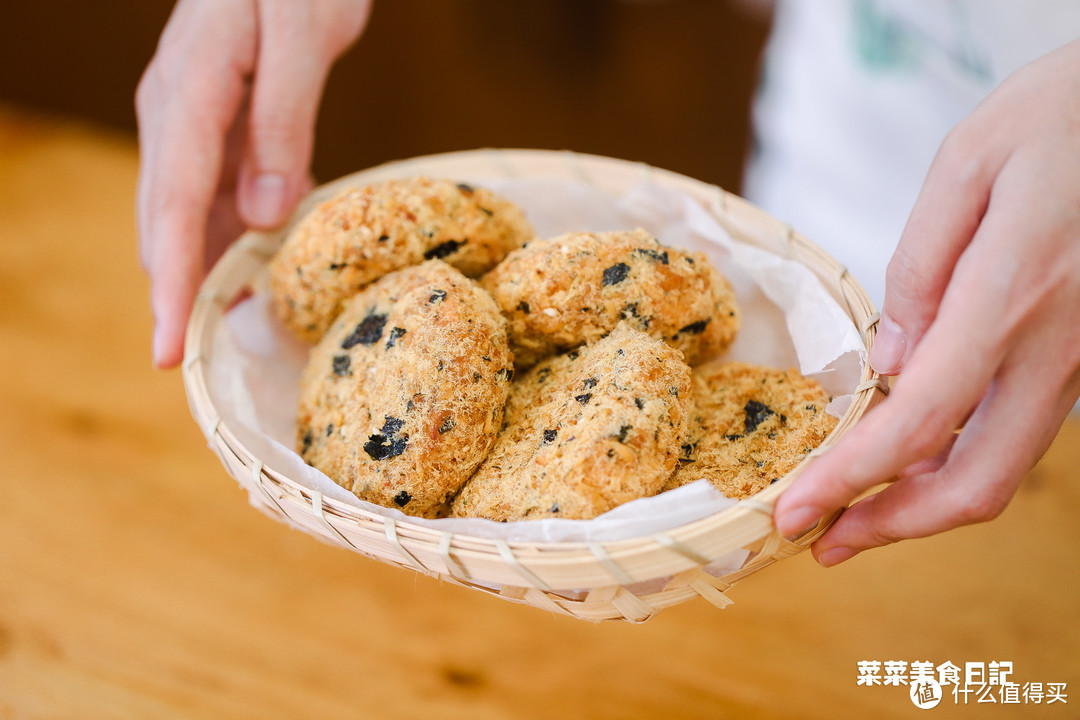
[(980, 314)]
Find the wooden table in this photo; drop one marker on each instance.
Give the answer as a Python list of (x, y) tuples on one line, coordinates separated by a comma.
[(136, 582)]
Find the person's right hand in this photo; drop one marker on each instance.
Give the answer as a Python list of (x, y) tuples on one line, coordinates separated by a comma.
[(226, 112)]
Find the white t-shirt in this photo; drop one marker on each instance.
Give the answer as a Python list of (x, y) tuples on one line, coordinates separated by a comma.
[(857, 95)]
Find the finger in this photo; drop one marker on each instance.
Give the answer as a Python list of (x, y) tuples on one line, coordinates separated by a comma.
[(223, 223), (973, 485), (179, 205), (202, 44), (930, 464), (184, 148), (290, 74), (943, 220), (946, 374), (945, 377), (913, 424)]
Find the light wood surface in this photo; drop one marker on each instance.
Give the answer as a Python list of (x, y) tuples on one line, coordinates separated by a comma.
[(136, 581)]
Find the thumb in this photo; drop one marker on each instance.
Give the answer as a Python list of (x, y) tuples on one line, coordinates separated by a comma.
[(943, 221), (297, 45)]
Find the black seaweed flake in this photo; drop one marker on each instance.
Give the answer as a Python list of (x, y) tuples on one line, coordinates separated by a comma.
[(615, 274), (380, 447), (673, 391), (384, 238), (549, 436), (485, 210), (306, 442), (755, 414), (583, 398), (329, 429), (395, 333), (523, 307), (653, 255), (466, 189), (589, 383), (342, 365), (542, 375), (621, 437), (447, 425), (402, 499), (392, 424), (437, 296), (367, 332), (640, 403), (387, 443), (444, 249), (733, 437), (554, 508), (507, 373), (694, 328), (338, 266)]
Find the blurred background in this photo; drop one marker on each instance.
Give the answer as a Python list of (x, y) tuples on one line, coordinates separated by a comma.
[(665, 82)]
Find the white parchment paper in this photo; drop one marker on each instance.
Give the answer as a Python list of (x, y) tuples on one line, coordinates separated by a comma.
[(788, 320)]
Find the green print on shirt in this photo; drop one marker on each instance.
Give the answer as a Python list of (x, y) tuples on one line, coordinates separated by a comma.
[(884, 42)]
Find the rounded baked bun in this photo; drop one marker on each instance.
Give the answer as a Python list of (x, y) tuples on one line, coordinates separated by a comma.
[(403, 397), (363, 233), (561, 292), (585, 432)]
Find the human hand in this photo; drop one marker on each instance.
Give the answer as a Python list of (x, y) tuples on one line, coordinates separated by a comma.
[(226, 112), (980, 315)]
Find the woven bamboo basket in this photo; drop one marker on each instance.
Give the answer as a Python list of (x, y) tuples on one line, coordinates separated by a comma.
[(630, 579)]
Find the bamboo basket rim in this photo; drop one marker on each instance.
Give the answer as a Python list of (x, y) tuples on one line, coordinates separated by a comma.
[(615, 575)]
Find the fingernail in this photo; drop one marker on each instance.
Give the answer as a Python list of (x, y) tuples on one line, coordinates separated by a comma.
[(266, 203), (889, 346), (797, 520), (835, 556)]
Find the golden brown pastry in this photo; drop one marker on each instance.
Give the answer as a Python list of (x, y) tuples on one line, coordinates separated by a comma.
[(562, 292), (585, 432), (403, 397), (363, 233)]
